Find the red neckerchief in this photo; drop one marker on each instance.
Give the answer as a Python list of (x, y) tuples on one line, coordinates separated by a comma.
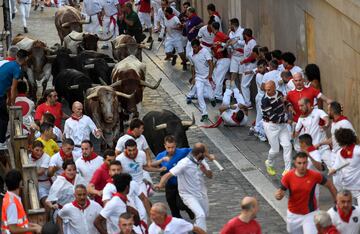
[(131, 133), (170, 17), (217, 14), (91, 157), (192, 15), (166, 222), (234, 118), (311, 149), (289, 67), (331, 230), (347, 151), (67, 178), (65, 156), (75, 117), (209, 29), (21, 95), (121, 196), (343, 216), (76, 204), (10, 59), (341, 117), (35, 159), (110, 180), (246, 41), (127, 154)]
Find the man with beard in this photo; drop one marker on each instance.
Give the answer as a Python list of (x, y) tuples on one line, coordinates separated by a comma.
[(245, 222)]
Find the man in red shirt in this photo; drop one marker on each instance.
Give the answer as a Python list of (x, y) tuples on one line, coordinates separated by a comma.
[(222, 60), (101, 176), (302, 205), (50, 104), (245, 222)]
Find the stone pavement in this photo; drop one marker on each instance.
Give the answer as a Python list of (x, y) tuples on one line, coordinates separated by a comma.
[(228, 186)]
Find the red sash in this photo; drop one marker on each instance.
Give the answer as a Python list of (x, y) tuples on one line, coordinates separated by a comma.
[(347, 151), (91, 157), (76, 204)]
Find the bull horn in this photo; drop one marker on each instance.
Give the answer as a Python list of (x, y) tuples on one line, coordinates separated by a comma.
[(142, 46), (102, 81), (160, 126), (67, 24), (107, 38), (92, 95), (111, 64), (146, 84), (124, 95), (95, 85), (187, 123), (74, 39), (72, 55), (74, 86), (117, 83), (89, 66), (85, 22)]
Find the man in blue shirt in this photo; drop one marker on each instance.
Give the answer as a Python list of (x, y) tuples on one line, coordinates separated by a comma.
[(10, 73), (169, 158)]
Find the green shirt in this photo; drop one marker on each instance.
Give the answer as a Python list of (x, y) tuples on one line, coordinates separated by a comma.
[(133, 17)]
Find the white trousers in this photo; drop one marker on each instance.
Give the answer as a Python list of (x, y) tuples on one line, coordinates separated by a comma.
[(200, 207), (145, 19), (278, 134), (227, 96), (259, 122), (235, 66), (94, 26), (24, 12), (245, 87), (203, 90), (189, 51), (300, 224), (220, 70)]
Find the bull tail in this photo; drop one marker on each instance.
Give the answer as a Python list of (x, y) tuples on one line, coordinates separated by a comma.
[(214, 125)]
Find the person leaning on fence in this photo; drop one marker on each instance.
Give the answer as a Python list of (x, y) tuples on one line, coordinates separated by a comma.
[(13, 215)]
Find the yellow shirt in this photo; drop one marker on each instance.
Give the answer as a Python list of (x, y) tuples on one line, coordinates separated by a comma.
[(50, 146)]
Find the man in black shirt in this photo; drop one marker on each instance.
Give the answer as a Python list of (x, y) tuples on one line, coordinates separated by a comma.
[(275, 126)]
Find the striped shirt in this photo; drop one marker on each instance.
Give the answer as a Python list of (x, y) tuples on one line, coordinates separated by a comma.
[(273, 108)]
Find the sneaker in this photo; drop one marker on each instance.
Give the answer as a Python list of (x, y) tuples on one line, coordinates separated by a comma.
[(262, 138), (160, 39), (36, 6), (146, 30), (188, 100), (251, 131), (184, 66), (3, 145), (270, 170), (151, 45), (13, 16), (149, 40), (26, 30), (227, 84), (250, 107), (173, 61), (213, 102), (42, 8), (284, 172), (204, 118)]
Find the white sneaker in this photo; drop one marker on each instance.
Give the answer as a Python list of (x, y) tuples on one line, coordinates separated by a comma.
[(262, 137), (3, 145)]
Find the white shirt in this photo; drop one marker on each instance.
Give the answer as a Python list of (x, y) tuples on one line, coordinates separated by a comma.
[(248, 47), (76, 221), (226, 116), (285, 88), (79, 130), (205, 36), (350, 175), (87, 169), (172, 33), (296, 69), (109, 7), (353, 227), (273, 75), (190, 177), (162, 17), (316, 156), (259, 80), (141, 142), (237, 35), (42, 162), (218, 19), (62, 191), (133, 166), (335, 126), (310, 125), (176, 226), (92, 7), (111, 212), (57, 161), (200, 61)]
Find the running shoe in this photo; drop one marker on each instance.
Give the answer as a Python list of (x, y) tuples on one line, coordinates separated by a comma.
[(270, 169)]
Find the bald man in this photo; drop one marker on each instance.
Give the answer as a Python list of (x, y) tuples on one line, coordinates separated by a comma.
[(245, 222), (164, 223), (78, 127), (190, 173), (275, 126)]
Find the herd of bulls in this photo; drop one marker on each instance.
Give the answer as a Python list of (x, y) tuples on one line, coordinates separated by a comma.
[(109, 88)]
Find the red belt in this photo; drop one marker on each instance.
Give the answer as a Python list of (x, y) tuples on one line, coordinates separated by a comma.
[(206, 44)]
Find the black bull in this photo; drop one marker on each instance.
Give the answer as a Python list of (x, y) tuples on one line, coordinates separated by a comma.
[(159, 124)]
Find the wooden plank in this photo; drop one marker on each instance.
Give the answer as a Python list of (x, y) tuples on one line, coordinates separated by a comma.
[(310, 38)]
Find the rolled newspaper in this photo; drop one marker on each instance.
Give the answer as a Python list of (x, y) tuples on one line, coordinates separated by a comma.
[(218, 165)]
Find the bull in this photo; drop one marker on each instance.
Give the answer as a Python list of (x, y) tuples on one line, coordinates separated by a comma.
[(38, 69), (158, 124), (77, 42), (68, 19), (132, 74), (101, 104), (125, 45)]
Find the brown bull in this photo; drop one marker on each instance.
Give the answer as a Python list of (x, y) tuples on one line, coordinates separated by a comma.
[(68, 19), (125, 45), (101, 104), (132, 74)]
